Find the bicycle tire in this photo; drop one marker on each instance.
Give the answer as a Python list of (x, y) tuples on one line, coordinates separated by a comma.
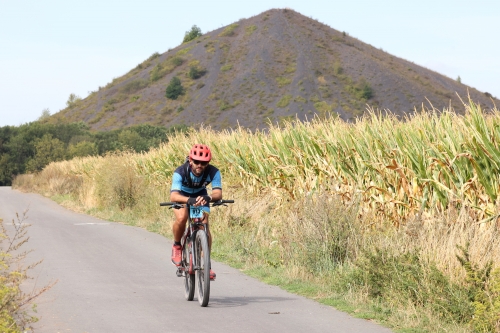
[(189, 279), (203, 269)]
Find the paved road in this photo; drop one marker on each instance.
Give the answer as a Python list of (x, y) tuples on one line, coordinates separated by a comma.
[(117, 278)]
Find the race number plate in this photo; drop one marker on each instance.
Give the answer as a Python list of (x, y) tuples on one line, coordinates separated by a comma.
[(196, 212)]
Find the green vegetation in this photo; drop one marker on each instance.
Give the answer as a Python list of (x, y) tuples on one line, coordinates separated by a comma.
[(14, 314), (229, 30), (226, 67), (30, 147), (195, 32), (284, 101), (45, 115), (174, 88), (250, 29), (156, 73), (133, 86), (47, 149), (196, 72), (73, 100), (361, 90), (184, 51), (166, 67), (283, 81)]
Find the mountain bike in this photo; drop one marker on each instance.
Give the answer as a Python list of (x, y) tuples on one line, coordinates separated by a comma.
[(195, 263)]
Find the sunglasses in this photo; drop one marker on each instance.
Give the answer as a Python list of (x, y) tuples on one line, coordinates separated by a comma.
[(202, 163)]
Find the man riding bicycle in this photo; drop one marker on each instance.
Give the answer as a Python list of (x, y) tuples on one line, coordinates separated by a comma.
[(189, 183)]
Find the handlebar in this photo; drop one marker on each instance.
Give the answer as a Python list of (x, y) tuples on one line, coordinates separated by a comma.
[(179, 205)]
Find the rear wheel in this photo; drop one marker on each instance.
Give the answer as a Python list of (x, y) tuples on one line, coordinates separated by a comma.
[(203, 269), (189, 279)]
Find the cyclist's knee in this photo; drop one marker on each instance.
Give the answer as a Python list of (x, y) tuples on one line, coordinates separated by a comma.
[(180, 221)]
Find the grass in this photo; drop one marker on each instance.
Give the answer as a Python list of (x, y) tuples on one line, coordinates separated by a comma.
[(284, 101), (229, 30), (371, 216), (283, 81)]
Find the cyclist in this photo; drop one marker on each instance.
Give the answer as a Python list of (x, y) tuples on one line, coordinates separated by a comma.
[(189, 183)]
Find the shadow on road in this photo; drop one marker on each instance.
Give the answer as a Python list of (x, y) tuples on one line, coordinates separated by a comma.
[(229, 302)]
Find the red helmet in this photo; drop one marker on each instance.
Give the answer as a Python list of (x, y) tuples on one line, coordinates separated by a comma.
[(200, 152)]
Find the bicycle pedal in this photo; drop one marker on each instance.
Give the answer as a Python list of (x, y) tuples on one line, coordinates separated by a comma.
[(179, 272)]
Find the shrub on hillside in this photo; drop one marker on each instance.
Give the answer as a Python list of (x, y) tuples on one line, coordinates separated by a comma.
[(174, 89), (195, 72), (192, 34), (133, 86), (73, 99)]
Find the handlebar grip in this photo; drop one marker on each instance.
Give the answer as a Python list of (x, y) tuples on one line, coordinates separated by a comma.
[(168, 203), (227, 201)]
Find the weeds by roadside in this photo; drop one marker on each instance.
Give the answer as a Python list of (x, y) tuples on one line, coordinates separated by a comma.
[(15, 312)]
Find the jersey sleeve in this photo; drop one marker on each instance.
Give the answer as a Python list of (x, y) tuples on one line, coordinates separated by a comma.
[(217, 181), (176, 183)]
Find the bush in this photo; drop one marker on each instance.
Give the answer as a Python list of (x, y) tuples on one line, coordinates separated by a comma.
[(195, 32), (361, 90), (229, 31), (73, 99), (406, 277), (133, 86), (174, 89), (156, 73), (196, 73)]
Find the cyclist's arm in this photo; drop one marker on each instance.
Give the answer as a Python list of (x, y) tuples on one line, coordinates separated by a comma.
[(217, 187), (175, 190), (216, 194), (178, 197)]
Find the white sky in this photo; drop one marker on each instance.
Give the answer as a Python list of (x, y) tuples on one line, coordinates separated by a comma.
[(50, 49)]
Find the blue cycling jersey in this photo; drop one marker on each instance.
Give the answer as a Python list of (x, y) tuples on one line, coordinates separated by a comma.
[(180, 183), (193, 186)]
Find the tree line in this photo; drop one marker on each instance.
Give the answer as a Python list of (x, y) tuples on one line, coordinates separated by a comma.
[(30, 147)]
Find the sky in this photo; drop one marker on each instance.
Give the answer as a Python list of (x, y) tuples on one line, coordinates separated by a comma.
[(53, 48)]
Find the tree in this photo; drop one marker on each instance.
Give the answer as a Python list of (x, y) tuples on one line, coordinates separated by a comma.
[(192, 34), (82, 149), (47, 150), (45, 114), (459, 80), (174, 89), (72, 100)]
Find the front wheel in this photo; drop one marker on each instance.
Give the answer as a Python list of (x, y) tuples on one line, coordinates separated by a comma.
[(189, 279), (203, 267)]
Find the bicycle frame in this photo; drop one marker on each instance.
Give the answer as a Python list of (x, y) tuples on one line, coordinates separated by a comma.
[(194, 224), (194, 267)]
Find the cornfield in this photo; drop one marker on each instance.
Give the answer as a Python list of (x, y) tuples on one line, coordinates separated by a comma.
[(426, 163)]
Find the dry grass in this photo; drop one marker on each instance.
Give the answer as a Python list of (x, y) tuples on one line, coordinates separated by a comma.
[(341, 194)]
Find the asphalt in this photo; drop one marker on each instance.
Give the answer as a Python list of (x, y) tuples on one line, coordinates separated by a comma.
[(112, 277)]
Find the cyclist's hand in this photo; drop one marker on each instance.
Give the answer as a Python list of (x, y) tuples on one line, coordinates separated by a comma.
[(207, 198), (191, 201)]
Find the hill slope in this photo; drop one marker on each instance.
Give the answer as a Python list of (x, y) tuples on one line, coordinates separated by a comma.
[(275, 65)]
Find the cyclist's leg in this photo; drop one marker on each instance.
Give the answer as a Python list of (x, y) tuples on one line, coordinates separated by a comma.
[(178, 229), (181, 216)]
